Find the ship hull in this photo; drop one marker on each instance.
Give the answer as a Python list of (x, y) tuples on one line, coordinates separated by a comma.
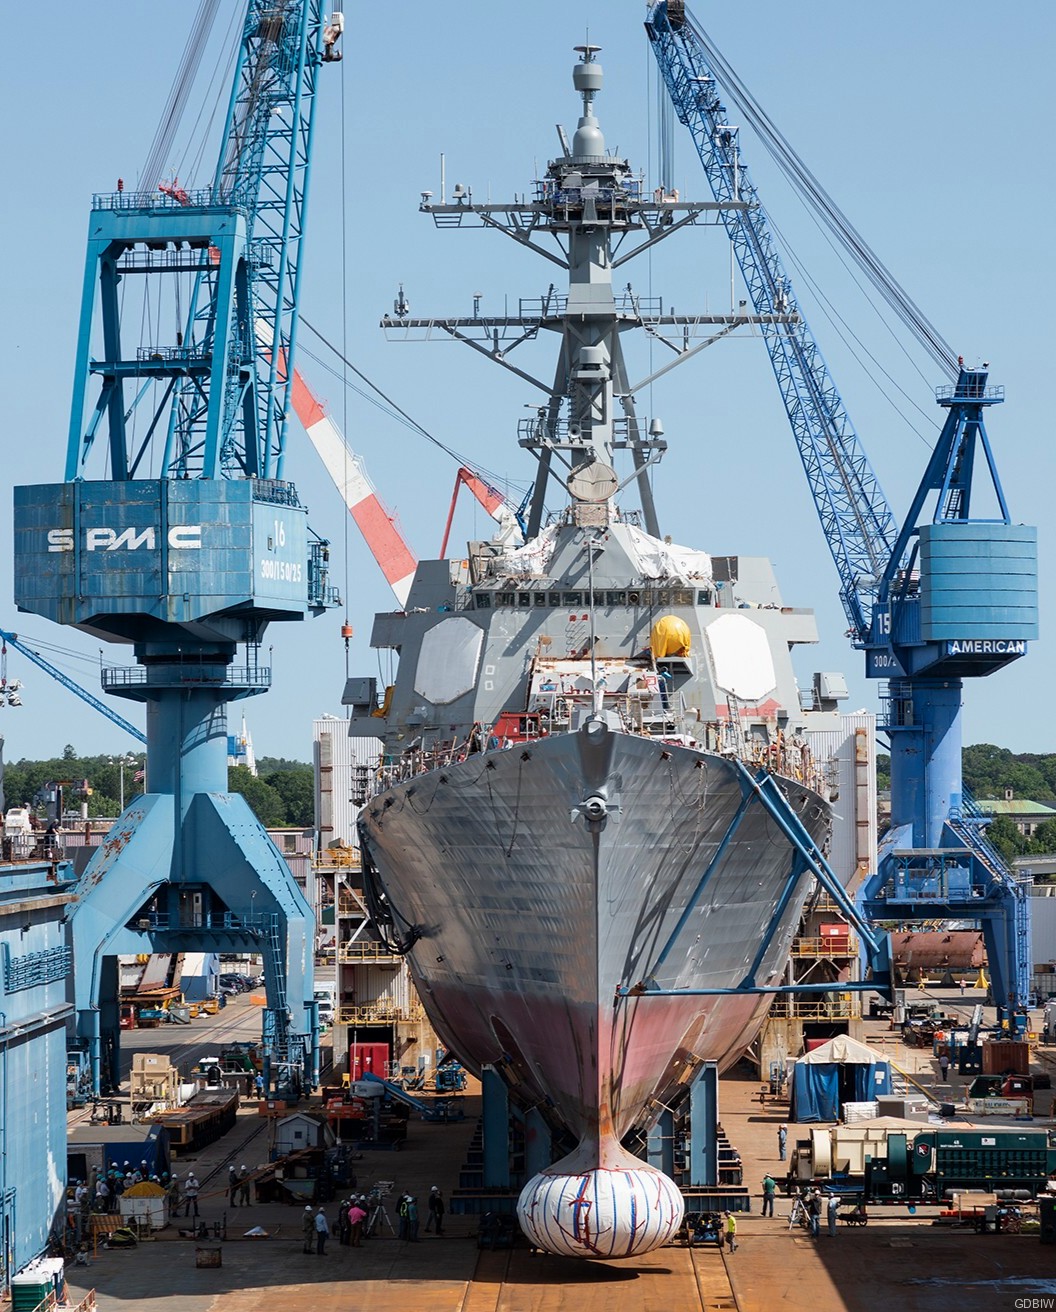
[(532, 915)]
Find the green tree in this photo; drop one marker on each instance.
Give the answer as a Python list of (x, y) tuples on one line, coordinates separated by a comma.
[(883, 771), (265, 803), (990, 770), (1043, 839), (24, 781), (1006, 838), (297, 790), (270, 764)]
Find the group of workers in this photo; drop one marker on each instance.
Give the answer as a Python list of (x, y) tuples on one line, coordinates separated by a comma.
[(353, 1216), (102, 1191)]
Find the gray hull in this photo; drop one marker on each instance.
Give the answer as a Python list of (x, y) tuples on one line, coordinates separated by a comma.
[(531, 920)]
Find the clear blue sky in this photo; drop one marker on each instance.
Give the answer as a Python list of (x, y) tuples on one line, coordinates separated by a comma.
[(929, 124)]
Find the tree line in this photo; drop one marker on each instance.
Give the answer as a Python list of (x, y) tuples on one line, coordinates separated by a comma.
[(989, 772), (281, 794)]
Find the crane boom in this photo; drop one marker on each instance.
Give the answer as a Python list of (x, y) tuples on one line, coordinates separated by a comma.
[(510, 528), (387, 545), (67, 682), (215, 405), (859, 526)]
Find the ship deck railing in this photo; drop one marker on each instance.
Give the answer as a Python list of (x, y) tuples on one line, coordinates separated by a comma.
[(665, 717)]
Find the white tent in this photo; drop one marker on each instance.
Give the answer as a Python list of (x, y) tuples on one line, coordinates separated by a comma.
[(842, 1050), (840, 1071)]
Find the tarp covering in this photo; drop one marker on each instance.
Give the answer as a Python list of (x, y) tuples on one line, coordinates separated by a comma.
[(842, 1049), (669, 636), (533, 559), (667, 560), (842, 1070)]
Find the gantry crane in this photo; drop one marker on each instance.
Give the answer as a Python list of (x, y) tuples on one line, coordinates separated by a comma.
[(945, 597), (175, 531)]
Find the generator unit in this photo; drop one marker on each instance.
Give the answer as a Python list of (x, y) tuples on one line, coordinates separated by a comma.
[(932, 1165)]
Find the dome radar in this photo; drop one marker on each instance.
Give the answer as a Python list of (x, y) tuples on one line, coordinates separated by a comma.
[(587, 76)]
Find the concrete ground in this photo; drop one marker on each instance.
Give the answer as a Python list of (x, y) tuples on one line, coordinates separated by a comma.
[(896, 1262)]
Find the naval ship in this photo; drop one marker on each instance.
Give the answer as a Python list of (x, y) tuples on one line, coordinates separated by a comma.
[(564, 807)]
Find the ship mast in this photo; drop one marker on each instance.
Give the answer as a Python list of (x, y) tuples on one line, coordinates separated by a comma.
[(589, 202)]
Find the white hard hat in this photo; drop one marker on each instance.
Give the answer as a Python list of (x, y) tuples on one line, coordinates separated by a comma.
[(308, 1207)]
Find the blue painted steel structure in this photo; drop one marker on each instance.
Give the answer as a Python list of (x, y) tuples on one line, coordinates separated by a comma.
[(35, 962), (75, 688), (931, 603), (194, 542), (223, 404)]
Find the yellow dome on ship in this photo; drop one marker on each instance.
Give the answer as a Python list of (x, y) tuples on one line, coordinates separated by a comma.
[(669, 636)]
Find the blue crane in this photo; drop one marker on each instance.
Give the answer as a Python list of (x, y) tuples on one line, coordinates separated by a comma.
[(176, 532), (935, 600), (85, 696)]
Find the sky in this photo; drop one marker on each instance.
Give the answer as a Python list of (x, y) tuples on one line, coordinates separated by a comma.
[(929, 125)]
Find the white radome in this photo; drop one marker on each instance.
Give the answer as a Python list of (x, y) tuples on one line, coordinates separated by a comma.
[(602, 1213)]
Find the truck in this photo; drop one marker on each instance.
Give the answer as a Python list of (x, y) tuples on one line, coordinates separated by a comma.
[(325, 998)]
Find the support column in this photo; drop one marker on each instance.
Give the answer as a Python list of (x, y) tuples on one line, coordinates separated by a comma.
[(926, 740), (704, 1128), (538, 1150), (660, 1145), (496, 1124), (108, 1018)]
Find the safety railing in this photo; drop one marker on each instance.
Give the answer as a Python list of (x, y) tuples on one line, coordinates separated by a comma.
[(379, 1013), (829, 945), (34, 847), (173, 197), (364, 950), (276, 491), (342, 858), (189, 675), (835, 1006)]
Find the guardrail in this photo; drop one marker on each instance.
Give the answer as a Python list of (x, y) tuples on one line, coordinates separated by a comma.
[(34, 847), (837, 1006), (366, 950), (378, 1014), (841, 945)]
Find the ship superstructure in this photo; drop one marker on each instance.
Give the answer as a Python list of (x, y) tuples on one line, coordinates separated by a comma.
[(582, 746)]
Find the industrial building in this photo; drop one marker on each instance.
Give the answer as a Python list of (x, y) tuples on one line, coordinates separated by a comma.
[(35, 983), (377, 1011)]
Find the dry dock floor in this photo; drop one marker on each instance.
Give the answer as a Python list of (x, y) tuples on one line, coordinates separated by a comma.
[(897, 1262)]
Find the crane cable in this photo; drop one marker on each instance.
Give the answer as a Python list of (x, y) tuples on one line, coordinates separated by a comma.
[(388, 406), (820, 202), (179, 92)]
